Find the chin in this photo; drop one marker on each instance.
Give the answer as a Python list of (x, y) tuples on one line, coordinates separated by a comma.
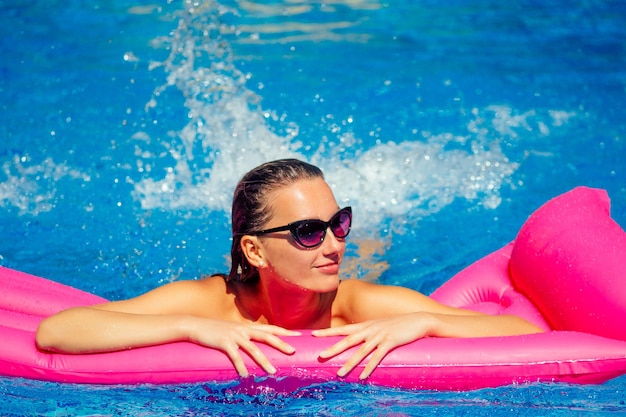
[(325, 283)]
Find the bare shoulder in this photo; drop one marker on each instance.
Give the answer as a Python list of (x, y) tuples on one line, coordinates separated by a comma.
[(213, 287), (198, 297), (353, 297), (358, 301), (354, 289)]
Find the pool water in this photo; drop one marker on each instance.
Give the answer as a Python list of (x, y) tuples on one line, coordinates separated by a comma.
[(125, 126)]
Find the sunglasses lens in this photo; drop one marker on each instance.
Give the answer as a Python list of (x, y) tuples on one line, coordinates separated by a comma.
[(311, 233), (340, 224)]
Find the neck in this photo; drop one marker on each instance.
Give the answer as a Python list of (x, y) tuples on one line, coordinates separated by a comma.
[(286, 305)]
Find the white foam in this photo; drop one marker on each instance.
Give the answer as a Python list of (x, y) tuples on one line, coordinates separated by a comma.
[(31, 187), (412, 179), (228, 133)]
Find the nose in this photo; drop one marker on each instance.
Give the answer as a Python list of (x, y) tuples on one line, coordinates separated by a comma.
[(332, 244)]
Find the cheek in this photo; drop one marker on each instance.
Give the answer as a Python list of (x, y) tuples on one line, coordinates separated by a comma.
[(293, 260), (288, 261)]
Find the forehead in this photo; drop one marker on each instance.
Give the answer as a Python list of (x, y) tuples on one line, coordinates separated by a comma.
[(304, 199)]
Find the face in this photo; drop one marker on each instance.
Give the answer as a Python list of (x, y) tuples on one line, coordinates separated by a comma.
[(287, 263)]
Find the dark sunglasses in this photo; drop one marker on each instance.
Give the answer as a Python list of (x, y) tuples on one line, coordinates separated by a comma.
[(311, 233)]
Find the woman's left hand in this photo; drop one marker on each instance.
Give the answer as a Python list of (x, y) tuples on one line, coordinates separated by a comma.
[(377, 337)]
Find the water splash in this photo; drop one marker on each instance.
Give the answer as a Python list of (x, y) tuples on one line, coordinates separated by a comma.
[(419, 178), (228, 133), (31, 187)]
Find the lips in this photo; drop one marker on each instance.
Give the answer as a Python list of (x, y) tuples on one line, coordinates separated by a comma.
[(330, 268)]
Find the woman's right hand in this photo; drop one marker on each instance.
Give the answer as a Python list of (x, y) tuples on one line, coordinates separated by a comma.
[(232, 338), (171, 313), (94, 329)]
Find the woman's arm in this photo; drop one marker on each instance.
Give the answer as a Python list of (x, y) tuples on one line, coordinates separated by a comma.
[(96, 329), (182, 311), (381, 318)]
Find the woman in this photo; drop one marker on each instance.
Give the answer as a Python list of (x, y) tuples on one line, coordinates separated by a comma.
[(288, 243)]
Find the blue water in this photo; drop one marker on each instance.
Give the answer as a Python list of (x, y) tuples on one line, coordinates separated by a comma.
[(125, 126)]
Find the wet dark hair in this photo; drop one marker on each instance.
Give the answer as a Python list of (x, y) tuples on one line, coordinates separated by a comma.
[(251, 211)]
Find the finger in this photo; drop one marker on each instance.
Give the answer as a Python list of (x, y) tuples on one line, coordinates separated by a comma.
[(337, 331), (358, 356), (277, 330), (255, 353), (374, 361), (344, 344), (237, 360), (274, 341)]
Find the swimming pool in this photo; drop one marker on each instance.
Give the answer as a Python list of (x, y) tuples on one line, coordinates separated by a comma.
[(126, 124)]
